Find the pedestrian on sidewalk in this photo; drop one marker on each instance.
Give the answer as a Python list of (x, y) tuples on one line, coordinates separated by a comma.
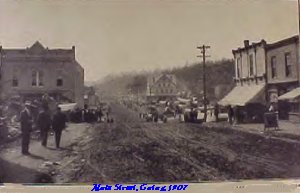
[(99, 114), (26, 127), (216, 112), (45, 100), (44, 123), (230, 114), (58, 124), (272, 107)]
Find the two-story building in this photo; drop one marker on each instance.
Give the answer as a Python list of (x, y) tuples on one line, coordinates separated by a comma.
[(34, 71), (248, 97), (91, 99), (273, 68), (161, 87), (283, 73)]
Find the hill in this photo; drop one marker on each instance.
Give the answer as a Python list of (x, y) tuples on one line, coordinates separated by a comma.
[(218, 73)]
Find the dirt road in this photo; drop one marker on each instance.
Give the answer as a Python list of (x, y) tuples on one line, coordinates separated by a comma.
[(130, 150), (44, 162)]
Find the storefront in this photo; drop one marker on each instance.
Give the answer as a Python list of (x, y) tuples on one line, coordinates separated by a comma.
[(248, 102), (290, 104)]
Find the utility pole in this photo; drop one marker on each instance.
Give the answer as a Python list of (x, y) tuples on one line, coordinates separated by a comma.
[(298, 17), (203, 52)]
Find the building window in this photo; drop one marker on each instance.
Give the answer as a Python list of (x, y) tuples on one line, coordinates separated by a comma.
[(273, 67), (15, 82), (41, 78), (34, 75), (251, 65), (238, 64), (59, 82), (288, 64), (294, 107), (37, 78)]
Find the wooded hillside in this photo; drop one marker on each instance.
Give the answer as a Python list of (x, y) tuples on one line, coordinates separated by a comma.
[(217, 73)]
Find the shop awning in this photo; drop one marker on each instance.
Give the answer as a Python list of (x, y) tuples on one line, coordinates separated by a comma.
[(67, 106), (290, 95), (241, 95)]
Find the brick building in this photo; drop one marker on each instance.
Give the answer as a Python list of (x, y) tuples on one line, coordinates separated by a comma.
[(33, 71), (283, 73)]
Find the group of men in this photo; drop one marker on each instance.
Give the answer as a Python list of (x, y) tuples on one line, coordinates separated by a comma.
[(91, 115), (44, 122)]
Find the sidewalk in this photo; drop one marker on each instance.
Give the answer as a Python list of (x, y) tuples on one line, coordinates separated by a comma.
[(41, 158), (287, 129)]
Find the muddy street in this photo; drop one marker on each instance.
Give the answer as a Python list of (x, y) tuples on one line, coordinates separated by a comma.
[(131, 150)]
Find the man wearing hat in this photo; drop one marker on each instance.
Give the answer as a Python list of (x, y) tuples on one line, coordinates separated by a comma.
[(44, 123), (26, 127), (58, 124)]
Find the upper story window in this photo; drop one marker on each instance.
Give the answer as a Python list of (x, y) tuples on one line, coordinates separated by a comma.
[(238, 66), (251, 65), (15, 80), (288, 64), (37, 78), (273, 67), (59, 82), (59, 79)]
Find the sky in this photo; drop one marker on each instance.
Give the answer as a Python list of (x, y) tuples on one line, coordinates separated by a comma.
[(114, 36)]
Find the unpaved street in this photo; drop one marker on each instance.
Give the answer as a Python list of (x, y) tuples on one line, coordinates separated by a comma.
[(131, 150)]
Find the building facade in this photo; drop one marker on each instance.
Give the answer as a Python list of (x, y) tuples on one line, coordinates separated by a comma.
[(91, 99), (162, 87), (283, 74), (273, 68), (250, 64), (282, 67), (34, 71), (248, 97)]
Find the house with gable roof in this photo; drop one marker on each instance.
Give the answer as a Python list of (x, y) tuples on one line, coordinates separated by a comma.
[(162, 87)]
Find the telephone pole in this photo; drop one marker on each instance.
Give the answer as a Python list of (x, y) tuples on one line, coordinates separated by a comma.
[(203, 49), (298, 17)]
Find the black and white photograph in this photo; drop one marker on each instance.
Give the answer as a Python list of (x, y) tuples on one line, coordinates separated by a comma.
[(153, 91)]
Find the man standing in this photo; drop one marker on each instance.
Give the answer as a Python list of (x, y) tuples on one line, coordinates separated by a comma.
[(58, 124), (26, 127), (230, 114), (216, 112), (44, 123)]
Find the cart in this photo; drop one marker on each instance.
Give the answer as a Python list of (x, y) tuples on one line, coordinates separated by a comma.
[(270, 121)]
